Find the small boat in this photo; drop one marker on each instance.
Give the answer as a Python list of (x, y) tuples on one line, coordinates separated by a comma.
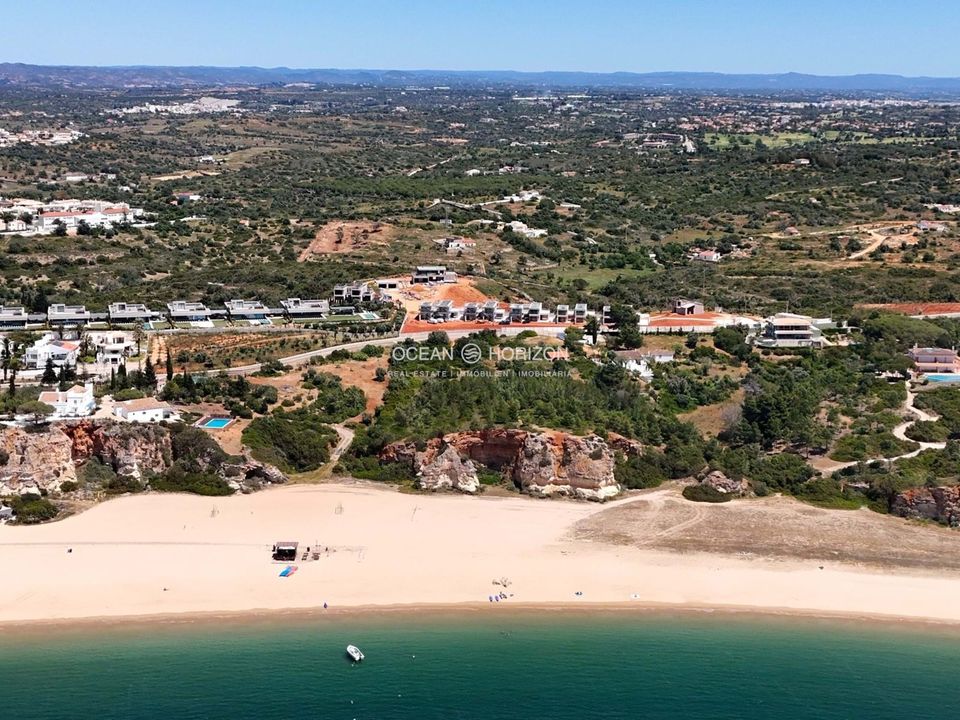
[(354, 652)]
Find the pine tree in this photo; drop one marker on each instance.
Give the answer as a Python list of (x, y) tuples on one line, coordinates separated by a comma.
[(149, 375), (169, 366), (49, 373)]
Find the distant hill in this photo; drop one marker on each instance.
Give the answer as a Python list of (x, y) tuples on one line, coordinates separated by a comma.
[(167, 76)]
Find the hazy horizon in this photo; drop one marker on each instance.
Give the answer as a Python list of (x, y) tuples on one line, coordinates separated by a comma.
[(735, 37)]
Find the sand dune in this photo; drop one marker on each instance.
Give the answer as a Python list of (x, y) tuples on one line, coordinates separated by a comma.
[(167, 554)]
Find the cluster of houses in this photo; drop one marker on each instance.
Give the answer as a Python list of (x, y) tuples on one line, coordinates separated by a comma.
[(60, 315), (39, 137), (441, 311), (79, 401), (43, 218), (109, 347)]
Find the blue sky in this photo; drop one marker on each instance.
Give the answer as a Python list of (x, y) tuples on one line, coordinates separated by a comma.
[(836, 37)]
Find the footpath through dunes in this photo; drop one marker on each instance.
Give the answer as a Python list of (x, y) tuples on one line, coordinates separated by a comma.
[(774, 527)]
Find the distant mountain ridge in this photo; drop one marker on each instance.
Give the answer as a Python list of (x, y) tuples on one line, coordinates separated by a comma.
[(171, 76)]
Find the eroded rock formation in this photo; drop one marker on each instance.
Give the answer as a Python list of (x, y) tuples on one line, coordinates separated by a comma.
[(542, 464), (42, 460), (941, 504)]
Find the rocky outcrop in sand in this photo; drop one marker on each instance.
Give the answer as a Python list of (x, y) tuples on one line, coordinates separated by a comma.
[(941, 504), (721, 483), (541, 464), (446, 470)]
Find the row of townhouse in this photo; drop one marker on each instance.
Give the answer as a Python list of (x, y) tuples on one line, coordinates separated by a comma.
[(492, 311), (16, 317)]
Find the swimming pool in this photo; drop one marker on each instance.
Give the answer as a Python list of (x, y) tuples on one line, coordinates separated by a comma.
[(943, 377), (216, 423), (367, 315)]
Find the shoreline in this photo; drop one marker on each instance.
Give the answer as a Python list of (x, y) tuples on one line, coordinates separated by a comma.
[(472, 611), (190, 559)]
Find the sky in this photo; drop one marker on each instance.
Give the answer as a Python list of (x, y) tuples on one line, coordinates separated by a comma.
[(835, 37)]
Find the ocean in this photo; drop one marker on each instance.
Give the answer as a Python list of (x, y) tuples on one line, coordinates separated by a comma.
[(483, 665)]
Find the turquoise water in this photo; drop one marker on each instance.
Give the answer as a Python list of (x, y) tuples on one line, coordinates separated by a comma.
[(217, 423), (943, 377), (492, 667)]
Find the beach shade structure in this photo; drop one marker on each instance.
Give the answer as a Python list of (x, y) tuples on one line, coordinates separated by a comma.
[(285, 551)]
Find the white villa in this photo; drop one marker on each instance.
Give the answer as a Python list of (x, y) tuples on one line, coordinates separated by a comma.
[(145, 410), (112, 347), (61, 352), (78, 401)]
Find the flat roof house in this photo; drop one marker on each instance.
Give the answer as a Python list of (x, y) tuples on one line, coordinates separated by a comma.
[(787, 330), (425, 274), (563, 313), (121, 312), (355, 291), (295, 308), (60, 314), (187, 311), (246, 310), (580, 312), (13, 316), (489, 310)]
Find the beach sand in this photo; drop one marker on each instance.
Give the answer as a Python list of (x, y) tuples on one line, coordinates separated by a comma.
[(161, 554)]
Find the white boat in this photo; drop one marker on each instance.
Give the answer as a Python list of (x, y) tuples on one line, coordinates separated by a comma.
[(354, 652)]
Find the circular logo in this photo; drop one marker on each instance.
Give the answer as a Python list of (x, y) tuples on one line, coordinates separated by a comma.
[(471, 353)]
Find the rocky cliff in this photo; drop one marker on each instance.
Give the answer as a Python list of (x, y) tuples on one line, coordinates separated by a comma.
[(542, 464), (40, 461), (941, 504)]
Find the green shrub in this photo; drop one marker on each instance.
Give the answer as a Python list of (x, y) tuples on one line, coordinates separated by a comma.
[(705, 493)]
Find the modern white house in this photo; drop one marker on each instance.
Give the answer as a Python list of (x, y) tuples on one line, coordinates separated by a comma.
[(77, 401), (13, 317), (426, 274), (246, 310), (298, 309), (122, 312), (145, 410), (61, 352), (789, 330), (112, 347), (356, 291), (187, 311), (60, 314)]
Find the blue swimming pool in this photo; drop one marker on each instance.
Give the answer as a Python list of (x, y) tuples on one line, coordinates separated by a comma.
[(367, 315), (943, 377), (217, 423)]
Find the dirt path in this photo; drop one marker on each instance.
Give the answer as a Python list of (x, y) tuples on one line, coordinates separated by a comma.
[(826, 466)]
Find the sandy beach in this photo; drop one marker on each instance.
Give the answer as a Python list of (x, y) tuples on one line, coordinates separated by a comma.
[(155, 555)]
